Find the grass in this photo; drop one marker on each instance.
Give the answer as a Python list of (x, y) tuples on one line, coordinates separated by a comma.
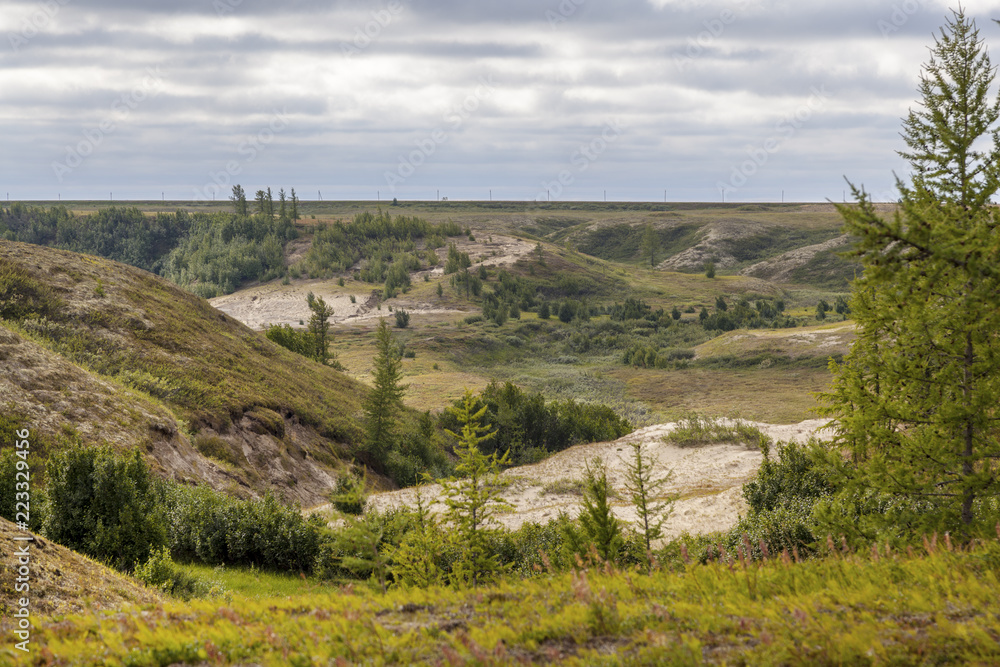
[(831, 610), (695, 430)]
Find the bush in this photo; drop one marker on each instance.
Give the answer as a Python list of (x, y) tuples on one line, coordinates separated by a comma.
[(402, 318), (161, 572), (212, 528), (104, 505)]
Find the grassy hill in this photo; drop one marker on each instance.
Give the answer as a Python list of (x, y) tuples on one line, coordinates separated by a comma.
[(95, 350), (62, 581)]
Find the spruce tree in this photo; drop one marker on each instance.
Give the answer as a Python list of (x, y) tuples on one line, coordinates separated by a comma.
[(473, 497), (385, 399), (915, 401)]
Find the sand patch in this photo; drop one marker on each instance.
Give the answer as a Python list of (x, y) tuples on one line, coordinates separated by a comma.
[(708, 479)]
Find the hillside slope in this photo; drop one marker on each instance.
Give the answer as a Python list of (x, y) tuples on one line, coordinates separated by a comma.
[(62, 581), (99, 351)]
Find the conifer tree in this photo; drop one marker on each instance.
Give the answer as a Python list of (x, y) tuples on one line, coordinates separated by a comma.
[(646, 493), (239, 199), (385, 399), (600, 526), (915, 401), (415, 560), (319, 328), (295, 206), (472, 496), (650, 245)]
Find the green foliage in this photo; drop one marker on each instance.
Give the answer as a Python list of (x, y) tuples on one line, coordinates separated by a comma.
[(223, 251), (402, 318), (456, 260), (360, 543), (123, 234), (209, 527), (763, 313), (418, 558), (385, 400), (319, 329), (104, 504), (473, 497), (161, 572), (647, 496), (527, 427), (296, 340), (598, 525), (709, 269), (696, 430), (915, 400), (543, 310), (826, 611), (349, 493)]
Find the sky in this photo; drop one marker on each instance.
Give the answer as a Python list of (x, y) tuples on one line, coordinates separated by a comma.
[(558, 100)]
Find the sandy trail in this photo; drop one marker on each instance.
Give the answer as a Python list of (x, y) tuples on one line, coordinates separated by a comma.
[(708, 479), (274, 303)]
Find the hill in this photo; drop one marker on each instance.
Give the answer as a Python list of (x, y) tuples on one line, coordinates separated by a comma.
[(99, 351), (63, 581)]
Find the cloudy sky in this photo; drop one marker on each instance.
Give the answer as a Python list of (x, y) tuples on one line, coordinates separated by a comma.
[(686, 100)]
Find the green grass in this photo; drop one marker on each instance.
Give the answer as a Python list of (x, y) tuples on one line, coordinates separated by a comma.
[(241, 582), (937, 607), (695, 430)]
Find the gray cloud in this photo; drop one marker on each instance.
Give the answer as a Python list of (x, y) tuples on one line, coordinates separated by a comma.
[(363, 85)]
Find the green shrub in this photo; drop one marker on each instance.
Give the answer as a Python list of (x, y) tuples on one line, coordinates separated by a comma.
[(104, 504), (161, 572), (402, 318), (212, 528)]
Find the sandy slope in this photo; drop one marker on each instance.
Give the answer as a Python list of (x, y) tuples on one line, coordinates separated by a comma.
[(708, 479)]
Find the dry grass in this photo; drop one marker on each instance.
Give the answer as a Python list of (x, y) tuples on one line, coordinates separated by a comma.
[(63, 581)]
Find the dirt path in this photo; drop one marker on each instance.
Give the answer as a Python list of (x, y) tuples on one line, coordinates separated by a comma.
[(708, 479), (275, 303)]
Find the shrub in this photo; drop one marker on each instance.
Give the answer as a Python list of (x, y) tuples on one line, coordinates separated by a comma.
[(402, 318), (161, 572), (212, 528), (104, 505)]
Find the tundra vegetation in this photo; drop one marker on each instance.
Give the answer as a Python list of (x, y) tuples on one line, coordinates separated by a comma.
[(880, 547)]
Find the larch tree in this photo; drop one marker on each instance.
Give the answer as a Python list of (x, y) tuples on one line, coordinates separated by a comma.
[(319, 328), (385, 400), (473, 496), (915, 400)]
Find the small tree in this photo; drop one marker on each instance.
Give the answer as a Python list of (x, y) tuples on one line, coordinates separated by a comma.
[(675, 313), (360, 542), (646, 492), (709, 269), (402, 318), (319, 328), (295, 206), (822, 308), (415, 562), (543, 311), (239, 199), (472, 497), (720, 304), (599, 524), (385, 399), (650, 245)]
